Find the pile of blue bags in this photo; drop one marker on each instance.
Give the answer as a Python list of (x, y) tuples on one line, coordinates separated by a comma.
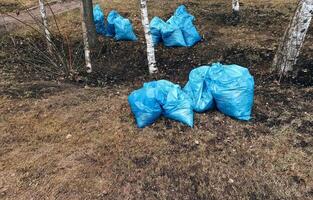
[(229, 88), (158, 98), (117, 26), (178, 31)]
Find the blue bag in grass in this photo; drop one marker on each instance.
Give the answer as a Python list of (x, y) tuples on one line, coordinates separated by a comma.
[(110, 27), (156, 25), (175, 103), (198, 90), (98, 18), (144, 106), (123, 29), (184, 21), (172, 36), (191, 35), (232, 87), (160, 97), (181, 16)]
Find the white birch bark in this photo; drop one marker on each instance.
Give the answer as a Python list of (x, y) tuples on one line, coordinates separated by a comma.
[(86, 42), (289, 50), (150, 46), (235, 5), (43, 14)]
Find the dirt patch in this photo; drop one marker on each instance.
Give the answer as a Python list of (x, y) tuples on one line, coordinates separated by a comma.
[(30, 90), (15, 13)]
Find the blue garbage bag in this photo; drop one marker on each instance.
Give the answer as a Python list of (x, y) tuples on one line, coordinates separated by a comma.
[(182, 10), (198, 90), (144, 106), (156, 25), (172, 36), (173, 103), (191, 35), (98, 17), (124, 29), (119, 27), (232, 87), (181, 16), (184, 21), (110, 27)]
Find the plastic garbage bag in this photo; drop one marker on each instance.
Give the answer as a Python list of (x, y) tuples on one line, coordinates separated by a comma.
[(191, 35), (172, 101), (175, 103), (198, 90), (184, 21), (98, 17), (178, 31), (232, 87), (182, 10), (124, 29), (181, 16), (156, 25), (144, 106), (172, 36), (110, 27), (119, 27)]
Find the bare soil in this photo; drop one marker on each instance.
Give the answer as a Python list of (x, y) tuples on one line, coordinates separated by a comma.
[(71, 141), (21, 14)]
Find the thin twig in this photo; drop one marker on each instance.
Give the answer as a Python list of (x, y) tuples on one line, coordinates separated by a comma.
[(54, 18), (24, 23), (57, 25)]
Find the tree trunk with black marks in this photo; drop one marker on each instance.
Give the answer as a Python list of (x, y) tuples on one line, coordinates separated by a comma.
[(42, 10), (87, 12), (86, 39), (289, 49), (235, 6), (150, 47)]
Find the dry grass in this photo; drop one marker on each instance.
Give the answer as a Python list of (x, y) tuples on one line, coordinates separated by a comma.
[(107, 157)]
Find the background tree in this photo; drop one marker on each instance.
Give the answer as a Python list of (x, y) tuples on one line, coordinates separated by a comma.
[(150, 47), (235, 7), (289, 49), (89, 31), (87, 12), (43, 14)]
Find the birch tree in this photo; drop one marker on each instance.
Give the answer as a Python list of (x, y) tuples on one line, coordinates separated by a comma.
[(150, 47), (289, 49), (43, 14), (85, 39), (89, 32), (87, 12), (235, 6)]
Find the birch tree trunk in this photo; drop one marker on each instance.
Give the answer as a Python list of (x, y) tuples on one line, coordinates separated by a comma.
[(87, 11), (43, 14), (235, 6), (86, 42), (289, 49), (150, 47)]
